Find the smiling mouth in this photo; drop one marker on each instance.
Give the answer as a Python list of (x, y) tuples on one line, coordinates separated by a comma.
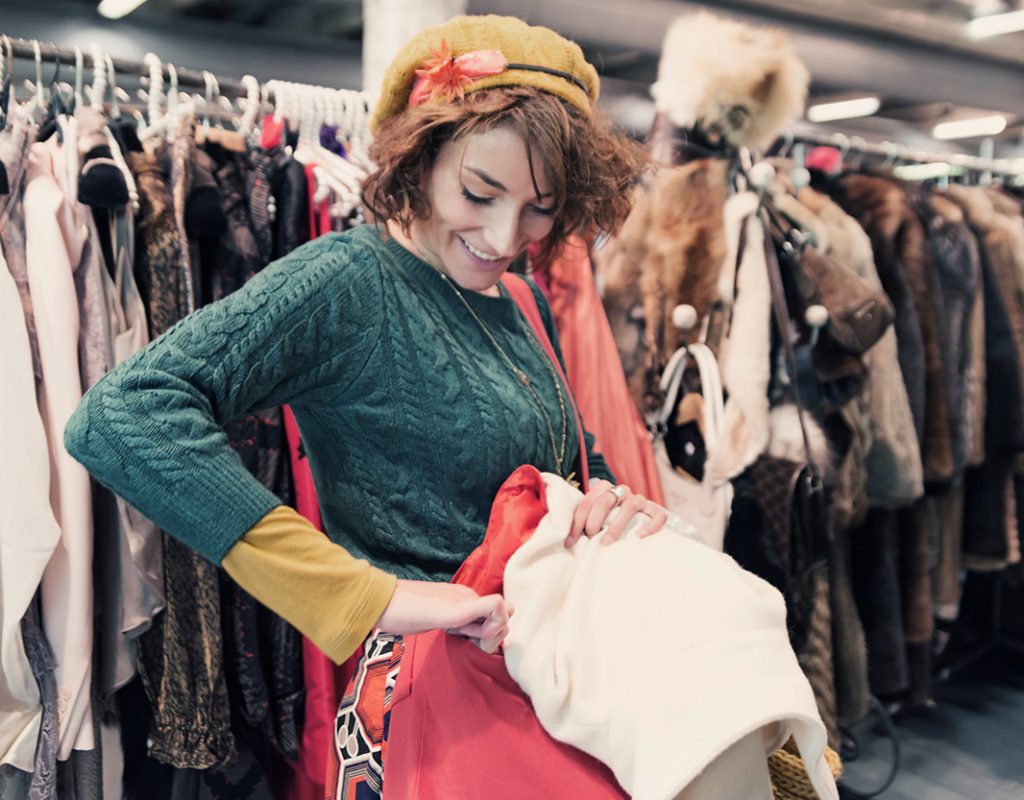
[(479, 254)]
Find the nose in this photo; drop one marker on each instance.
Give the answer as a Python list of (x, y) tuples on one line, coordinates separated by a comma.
[(504, 234)]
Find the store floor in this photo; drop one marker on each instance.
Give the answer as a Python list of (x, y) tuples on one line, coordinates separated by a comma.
[(969, 746)]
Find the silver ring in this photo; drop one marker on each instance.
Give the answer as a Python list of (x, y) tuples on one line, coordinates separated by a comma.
[(620, 493)]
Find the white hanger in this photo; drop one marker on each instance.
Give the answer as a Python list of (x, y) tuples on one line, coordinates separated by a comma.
[(211, 83), (99, 78), (252, 103), (115, 107), (129, 179), (173, 113), (38, 101), (157, 121)]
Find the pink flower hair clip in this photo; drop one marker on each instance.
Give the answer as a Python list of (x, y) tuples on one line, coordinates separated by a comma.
[(444, 77)]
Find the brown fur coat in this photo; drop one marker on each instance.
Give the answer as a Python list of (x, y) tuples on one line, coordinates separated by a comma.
[(669, 252), (901, 255), (892, 462)]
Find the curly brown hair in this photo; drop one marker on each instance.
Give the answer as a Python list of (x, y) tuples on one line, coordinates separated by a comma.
[(592, 167)]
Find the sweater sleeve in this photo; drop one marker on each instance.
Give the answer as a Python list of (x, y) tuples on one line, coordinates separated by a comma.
[(595, 461), (152, 429), (301, 575)]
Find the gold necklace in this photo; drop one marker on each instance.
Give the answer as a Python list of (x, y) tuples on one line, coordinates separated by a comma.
[(557, 452)]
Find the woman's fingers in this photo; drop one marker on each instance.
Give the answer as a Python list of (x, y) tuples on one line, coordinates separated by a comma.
[(631, 506), (658, 515), (599, 490), (490, 630), (593, 511), (492, 644)]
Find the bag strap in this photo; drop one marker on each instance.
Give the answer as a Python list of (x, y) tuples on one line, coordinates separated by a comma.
[(782, 320), (523, 296), (711, 390), (671, 380)]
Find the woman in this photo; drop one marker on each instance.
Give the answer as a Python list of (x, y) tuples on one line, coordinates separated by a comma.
[(415, 379)]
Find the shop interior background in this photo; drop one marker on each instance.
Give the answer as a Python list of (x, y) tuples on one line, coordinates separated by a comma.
[(919, 58)]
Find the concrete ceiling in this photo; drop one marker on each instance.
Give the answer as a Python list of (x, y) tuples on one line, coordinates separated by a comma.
[(915, 54)]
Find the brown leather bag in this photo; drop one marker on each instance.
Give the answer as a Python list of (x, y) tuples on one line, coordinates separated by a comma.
[(858, 313)]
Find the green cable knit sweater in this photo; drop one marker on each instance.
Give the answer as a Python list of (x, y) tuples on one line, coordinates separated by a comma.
[(410, 418)]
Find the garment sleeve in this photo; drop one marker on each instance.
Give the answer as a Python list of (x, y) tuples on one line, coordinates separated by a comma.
[(152, 429), (313, 583), (595, 461)]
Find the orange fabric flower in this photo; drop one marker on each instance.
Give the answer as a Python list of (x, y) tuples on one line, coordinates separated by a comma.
[(444, 77)]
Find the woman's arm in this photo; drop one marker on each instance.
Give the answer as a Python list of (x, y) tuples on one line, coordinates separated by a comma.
[(152, 429), (292, 568)]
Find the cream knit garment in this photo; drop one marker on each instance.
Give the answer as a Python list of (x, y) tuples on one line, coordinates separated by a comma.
[(656, 656)]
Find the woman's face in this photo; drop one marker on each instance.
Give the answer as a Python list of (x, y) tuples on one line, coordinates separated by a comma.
[(485, 208)]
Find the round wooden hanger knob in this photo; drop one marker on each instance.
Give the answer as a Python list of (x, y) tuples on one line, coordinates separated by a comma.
[(761, 174), (684, 317), (816, 316)]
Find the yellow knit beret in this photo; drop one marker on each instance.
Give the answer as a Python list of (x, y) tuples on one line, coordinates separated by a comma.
[(529, 45)]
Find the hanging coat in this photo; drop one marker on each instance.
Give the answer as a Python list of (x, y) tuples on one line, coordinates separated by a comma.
[(56, 232), (28, 530)]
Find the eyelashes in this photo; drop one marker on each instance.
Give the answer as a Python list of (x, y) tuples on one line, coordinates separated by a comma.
[(477, 200)]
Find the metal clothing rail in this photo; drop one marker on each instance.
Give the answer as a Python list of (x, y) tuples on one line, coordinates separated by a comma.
[(52, 54), (891, 150)]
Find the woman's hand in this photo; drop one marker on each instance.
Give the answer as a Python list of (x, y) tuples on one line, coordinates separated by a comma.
[(592, 513), (419, 606)]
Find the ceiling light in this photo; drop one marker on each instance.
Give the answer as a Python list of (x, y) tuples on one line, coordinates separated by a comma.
[(844, 109), (924, 172), (996, 25), (970, 128), (115, 9)]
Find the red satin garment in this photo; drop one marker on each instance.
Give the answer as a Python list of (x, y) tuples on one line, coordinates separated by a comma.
[(325, 681), (595, 372), (461, 728)]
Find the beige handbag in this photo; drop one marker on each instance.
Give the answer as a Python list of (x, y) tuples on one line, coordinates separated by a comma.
[(700, 503)]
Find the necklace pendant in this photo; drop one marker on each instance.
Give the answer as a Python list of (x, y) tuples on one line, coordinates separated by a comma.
[(523, 377)]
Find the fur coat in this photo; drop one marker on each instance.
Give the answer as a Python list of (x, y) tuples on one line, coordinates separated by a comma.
[(988, 488), (901, 255), (669, 252), (892, 462), (954, 256)]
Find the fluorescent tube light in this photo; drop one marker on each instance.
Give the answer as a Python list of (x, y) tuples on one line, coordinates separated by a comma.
[(969, 128), (996, 25), (924, 172), (844, 109), (115, 9)]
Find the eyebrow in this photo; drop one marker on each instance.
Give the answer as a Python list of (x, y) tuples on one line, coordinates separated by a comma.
[(497, 184)]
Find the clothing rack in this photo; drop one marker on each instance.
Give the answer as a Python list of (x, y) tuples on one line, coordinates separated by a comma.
[(855, 144), (51, 53)]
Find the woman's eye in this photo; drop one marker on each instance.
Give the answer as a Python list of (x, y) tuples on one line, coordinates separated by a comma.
[(544, 212), (473, 198)]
